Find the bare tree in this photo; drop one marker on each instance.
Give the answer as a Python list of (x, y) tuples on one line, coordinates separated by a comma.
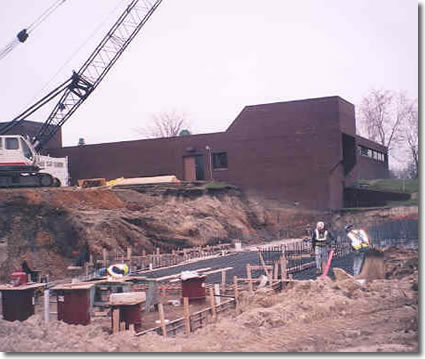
[(383, 117), (166, 124), (411, 134)]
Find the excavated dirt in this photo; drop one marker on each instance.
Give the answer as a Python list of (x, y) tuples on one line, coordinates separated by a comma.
[(308, 316), (55, 228)]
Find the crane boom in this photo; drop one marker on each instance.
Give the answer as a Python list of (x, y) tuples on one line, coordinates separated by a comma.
[(96, 67), (19, 157)]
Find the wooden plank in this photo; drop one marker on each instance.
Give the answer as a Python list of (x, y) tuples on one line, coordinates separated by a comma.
[(283, 268), (122, 326), (46, 298), (130, 298), (223, 280), (162, 319), (115, 320), (129, 253), (236, 291), (186, 315), (22, 287), (276, 271), (248, 274), (212, 303), (131, 328)]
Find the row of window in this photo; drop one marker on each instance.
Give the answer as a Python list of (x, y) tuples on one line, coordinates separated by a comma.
[(368, 152)]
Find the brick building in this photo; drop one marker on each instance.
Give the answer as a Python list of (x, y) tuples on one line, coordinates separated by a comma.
[(299, 152)]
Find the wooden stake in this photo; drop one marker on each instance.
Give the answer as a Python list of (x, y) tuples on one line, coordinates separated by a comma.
[(129, 254), (122, 326), (235, 285), (217, 292), (263, 264), (131, 328), (115, 320), (144, 252), (212, 301), (91, 259), (276, 271), (46, 305), (248, 275), (186, 315), (162, 319), (283, 271), (223, 280), (104, 254)]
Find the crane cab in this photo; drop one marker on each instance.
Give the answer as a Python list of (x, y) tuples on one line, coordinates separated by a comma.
[(16, 154)]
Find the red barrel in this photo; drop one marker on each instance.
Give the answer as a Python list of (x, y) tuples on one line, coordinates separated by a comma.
[(19, 277), (17, 304), (74, 306), (194, 288)]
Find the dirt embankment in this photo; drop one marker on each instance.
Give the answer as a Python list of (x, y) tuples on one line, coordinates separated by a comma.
[(53, 228), (308, 316)]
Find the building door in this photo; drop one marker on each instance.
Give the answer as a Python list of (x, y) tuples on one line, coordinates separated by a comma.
[(194, 168)]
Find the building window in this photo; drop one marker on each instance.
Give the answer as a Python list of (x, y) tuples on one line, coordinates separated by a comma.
[(368, 152), (11, 143), (219, 160), (58, 164), (49, 163), (1, 144)]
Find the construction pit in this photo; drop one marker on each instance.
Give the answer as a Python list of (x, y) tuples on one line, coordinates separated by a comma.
[(260, 307)]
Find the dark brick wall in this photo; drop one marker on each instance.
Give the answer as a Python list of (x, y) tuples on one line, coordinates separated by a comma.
[(369, 168), (288, 151)]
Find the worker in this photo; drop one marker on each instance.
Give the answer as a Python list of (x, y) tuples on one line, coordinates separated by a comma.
[(359, 243), (321, 241), (115, 271)]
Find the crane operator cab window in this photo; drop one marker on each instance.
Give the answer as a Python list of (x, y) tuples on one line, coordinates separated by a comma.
[(26, 150), (11, 143)]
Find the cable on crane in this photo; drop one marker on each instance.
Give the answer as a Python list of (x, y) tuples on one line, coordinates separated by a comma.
[(24, 33)]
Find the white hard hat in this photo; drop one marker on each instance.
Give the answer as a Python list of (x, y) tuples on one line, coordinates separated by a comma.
[(320, 225)]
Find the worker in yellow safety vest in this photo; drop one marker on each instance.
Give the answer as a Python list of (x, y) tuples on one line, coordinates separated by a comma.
[(321, 241), (359, 243), (115, 271)]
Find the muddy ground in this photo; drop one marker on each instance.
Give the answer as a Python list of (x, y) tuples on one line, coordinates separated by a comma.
[(57, 227), (307, 316)]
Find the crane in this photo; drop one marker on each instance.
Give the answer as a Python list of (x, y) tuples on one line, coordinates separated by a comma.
[(19, 155)]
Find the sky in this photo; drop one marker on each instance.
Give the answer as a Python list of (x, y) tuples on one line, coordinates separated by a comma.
[(207, 59)]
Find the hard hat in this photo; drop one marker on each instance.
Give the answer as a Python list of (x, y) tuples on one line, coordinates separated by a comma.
[(348, 227), (320, 225)]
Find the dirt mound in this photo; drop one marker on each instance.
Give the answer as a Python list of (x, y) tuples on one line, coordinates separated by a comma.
[(308, 316), (55, 228)]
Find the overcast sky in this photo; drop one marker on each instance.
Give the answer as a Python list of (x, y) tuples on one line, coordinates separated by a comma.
[(208, 58)]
